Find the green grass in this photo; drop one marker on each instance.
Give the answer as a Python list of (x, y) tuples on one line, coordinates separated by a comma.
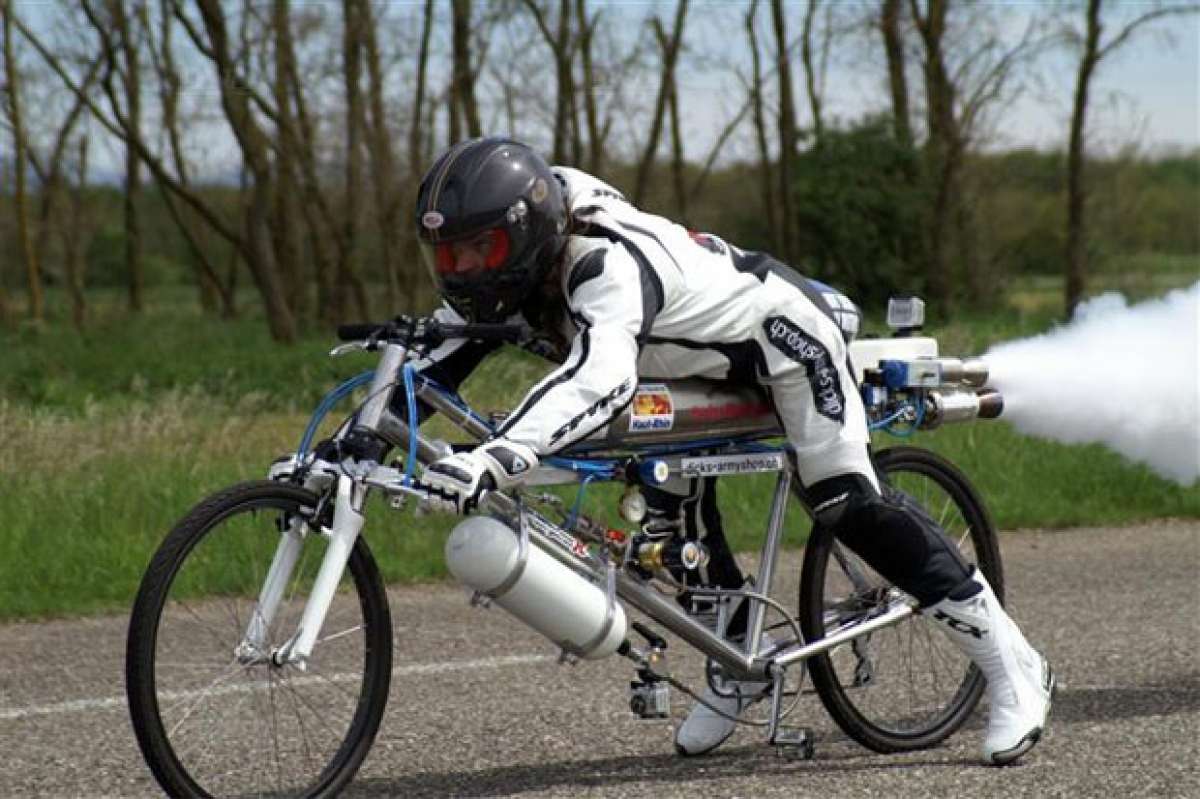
[(112, 435)]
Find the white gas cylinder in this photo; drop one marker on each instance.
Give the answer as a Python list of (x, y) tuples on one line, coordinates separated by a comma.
[(483, 553)]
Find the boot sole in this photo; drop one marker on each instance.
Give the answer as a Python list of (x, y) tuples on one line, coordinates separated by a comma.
[(1010, 756)]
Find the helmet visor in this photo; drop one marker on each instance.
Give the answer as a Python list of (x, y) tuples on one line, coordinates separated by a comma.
[(467, 257)]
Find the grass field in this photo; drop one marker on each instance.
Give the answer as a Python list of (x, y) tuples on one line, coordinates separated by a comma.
[(111, 435)]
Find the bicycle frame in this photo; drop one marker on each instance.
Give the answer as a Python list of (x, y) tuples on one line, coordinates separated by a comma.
[(747, 663)]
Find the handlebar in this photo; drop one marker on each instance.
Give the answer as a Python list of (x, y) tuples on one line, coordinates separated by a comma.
[(429, 331)]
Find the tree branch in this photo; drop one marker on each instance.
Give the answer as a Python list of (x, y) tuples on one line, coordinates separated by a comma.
[(1149, 16)]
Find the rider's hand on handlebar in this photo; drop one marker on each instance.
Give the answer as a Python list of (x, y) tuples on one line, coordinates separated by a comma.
[(457, 481)]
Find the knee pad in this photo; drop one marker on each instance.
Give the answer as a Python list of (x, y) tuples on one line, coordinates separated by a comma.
[(893, 535)]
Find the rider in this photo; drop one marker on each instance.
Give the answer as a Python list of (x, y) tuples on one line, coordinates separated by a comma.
[(615, 294)]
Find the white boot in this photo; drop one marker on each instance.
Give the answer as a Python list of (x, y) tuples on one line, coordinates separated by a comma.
[(1020, 683), (704, 729)]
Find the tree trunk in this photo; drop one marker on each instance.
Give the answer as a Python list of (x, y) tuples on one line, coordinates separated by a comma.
[(770, 209), (384, 181), (33, 272), (210, 289), (1077, 256), (74, 243), (131, 82), (893, 45), (348, 272), (463, 76), (414, 275), (677, 176), (670, 53), (811, 77), (943, 154), (567, 147), (563, 104), (787, 135), (254, 145), (286, 214), (595, 146)]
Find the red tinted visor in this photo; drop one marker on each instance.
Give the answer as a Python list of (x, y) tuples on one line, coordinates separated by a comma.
[(484, 251)]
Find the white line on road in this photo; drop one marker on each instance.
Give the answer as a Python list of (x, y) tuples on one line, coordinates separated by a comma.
[(412, 669)]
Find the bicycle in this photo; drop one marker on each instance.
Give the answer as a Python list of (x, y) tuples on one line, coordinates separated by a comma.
[(273, 580)]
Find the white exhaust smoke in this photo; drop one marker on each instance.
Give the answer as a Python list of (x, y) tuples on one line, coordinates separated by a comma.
[(1124, 376)]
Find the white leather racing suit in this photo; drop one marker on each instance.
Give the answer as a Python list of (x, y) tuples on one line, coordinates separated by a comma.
[(646, 298)]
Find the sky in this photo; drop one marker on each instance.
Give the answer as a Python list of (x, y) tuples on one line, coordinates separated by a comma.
[(1145, 94)]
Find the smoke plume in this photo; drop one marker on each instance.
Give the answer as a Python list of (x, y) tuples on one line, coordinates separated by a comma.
[(1124, 376)]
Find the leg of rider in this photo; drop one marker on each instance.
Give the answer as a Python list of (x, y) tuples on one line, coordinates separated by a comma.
[(711, 721), (689, 508), (825, 422)]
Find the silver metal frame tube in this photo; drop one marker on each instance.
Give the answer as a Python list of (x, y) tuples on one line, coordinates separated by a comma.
[(766, 571), (382, 386), (893, 615)]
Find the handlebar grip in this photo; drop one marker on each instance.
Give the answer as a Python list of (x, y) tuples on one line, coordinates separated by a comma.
[(359, 330)]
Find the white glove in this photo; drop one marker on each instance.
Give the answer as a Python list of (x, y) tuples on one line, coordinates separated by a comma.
[(460, 479)]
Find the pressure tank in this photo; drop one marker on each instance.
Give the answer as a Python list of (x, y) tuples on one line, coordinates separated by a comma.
[(574, 613)]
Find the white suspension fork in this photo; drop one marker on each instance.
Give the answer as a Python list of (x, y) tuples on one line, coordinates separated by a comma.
[(347, 524), (286, 555)]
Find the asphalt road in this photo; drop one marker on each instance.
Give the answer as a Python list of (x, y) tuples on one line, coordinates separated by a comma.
[(480, 707)]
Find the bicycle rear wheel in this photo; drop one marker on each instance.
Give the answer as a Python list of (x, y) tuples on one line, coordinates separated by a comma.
[(905, 687), (215, 721)]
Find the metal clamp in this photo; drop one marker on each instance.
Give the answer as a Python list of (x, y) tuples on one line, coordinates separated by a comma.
[(522, 558), (610, 618)]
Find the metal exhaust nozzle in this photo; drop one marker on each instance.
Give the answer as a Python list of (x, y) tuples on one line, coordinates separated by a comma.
[(972, 371), (958, 405), (991, 403)]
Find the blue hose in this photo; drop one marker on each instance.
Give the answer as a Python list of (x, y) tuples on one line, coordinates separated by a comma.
[(326, 404)]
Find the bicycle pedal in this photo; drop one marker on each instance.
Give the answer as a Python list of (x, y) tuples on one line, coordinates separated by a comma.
[(794, 743)]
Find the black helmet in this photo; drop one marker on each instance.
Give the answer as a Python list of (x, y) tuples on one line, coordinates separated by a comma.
[(491, 219)]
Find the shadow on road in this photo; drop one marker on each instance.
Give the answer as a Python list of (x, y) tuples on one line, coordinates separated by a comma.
[(1071, 706), (1134, 701), (749, 761)]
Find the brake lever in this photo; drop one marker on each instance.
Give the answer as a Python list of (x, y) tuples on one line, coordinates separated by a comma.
[(353, 346)]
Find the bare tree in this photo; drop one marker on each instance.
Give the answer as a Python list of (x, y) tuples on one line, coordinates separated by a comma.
[(128, 66), (462, 86), (13, 82), (890, 22), (348, 272), (677, 166), (760, 131), (214, 296), (384, 181), (670, 46), (286, 213), (1093, 52), (416, 156), (75, 235), (956, 100), (561, 46), (236, 101), (786, 122), (50, 173), (811, 69), (586, 30)]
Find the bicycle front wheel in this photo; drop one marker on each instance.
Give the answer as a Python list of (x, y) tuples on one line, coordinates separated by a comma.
[(904, 687), (217, 717)]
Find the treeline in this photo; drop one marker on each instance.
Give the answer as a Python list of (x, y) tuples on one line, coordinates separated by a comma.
[(323, 116), (851, 223)]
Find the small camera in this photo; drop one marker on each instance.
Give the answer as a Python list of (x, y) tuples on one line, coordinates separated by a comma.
[(650, 700)]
